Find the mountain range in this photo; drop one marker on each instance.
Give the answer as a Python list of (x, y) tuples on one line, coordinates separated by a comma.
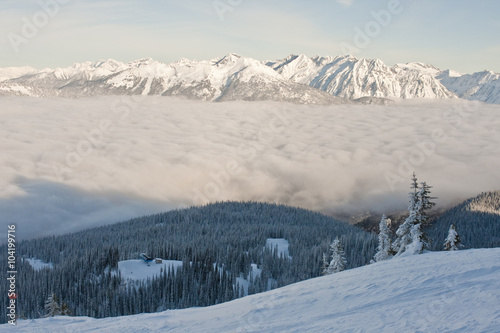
[(297, 78)]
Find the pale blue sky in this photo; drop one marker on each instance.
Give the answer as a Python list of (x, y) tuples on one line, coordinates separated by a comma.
[(459, 34)]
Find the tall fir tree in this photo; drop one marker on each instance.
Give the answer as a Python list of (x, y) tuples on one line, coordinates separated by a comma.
[(384, 240), (52, 307), (324, 266), (403, 234), (453, 240), (338, 261), (410, 235), (424, 203)]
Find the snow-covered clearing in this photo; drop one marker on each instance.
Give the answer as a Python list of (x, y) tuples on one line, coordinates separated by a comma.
[(38, 264), (280, 244), (70, 164), (136, 269), (253, 274), (433, 292)]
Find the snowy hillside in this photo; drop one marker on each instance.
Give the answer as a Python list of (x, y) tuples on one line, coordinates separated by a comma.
[(432, 292), (297, 78)]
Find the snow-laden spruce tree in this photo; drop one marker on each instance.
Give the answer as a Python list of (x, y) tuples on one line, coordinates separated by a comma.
[(410, 235), (403, 234), (453, 240), (417, 244), (52, 307), (420, 241), (324, 267), (338, 261), (384, 240)]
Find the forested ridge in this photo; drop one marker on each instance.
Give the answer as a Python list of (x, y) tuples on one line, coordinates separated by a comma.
[(477, 220), (217, 244)]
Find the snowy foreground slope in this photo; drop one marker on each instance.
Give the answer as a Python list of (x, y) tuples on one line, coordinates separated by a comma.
[(432, 292)]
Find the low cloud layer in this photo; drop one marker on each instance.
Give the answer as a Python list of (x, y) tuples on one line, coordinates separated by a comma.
[(70, 164)]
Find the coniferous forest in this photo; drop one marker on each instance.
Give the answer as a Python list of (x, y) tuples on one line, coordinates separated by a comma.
[(477, 220), (217, 243)]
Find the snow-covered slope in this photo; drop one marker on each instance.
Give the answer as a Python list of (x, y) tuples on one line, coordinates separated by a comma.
[(481, 86), (349, 77), (433, 292)]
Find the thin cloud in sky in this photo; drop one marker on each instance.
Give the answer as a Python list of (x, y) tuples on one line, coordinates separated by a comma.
[(345, 2), (264, 30)]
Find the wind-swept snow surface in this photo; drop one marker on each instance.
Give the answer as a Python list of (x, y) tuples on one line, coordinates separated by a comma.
[(67, 164), (433, 292)]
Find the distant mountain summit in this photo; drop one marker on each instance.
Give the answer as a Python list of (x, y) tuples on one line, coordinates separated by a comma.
[(481, 86), (297, 78), (348, 77)]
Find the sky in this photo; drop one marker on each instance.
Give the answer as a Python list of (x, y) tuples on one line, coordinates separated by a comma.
[(456, 34)]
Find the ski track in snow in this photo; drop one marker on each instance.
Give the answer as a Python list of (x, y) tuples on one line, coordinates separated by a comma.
[(154, 152), (433, 292)]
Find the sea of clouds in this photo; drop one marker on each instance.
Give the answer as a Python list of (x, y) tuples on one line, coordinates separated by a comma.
[(70, 164)]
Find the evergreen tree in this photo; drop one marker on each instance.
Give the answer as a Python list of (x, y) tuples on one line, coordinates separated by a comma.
[(52, 306), (338, 261), (417, 244), (403, 234), (410, 235), (324, 267), (384, 240), (65, 311), (453, 240), (425, 203), (420, 240)]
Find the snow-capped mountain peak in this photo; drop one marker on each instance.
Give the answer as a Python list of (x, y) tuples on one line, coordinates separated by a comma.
[(481, 86), (227, 59), (349, 77), (14, 72), (296, 78)]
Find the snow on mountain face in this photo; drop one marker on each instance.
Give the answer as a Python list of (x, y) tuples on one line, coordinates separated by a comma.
[(231, 77), (349, 77), (481, 86), (13, 72), (297, 78), (454, 291)]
